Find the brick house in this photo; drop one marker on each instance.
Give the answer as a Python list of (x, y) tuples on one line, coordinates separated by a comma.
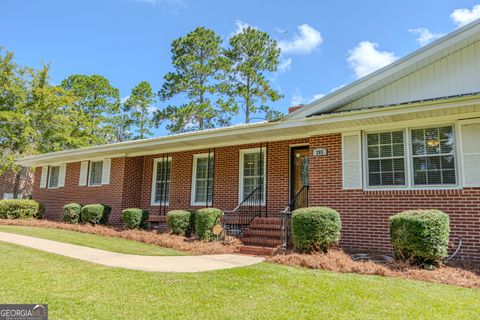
[(406, 136)]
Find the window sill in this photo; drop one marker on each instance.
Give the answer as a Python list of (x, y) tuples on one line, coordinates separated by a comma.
[(413, 188), (157, 204)]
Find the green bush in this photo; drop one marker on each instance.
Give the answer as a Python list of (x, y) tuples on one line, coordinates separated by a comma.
[(178, 221), (134, 218), (315, 228), (420, 236), (95, 213), (21, 209), (71, 213), (205, 220)]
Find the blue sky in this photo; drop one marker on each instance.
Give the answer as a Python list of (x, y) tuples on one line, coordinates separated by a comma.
[(326, 44)]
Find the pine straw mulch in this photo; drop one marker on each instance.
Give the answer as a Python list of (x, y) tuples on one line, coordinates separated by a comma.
[(457, 273), (163, 240)]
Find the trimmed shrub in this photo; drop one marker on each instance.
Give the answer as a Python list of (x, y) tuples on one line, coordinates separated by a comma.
[(205, 220), (315, 228), (71, 213), (178, 221), (420, 236), (21, 209), (134, 218), (95, 213)]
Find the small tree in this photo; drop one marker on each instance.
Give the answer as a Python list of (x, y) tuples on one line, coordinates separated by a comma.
[(252, 52), (199, 74), (138, 107)]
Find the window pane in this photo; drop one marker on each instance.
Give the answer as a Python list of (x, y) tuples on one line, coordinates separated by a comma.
[(96, 168), (162, 182), (388, 148), (203, 180), (434, 159), (252, 175), (54, 173)]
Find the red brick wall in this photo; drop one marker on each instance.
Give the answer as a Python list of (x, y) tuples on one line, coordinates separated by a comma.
[(111, 194), (365, 214)]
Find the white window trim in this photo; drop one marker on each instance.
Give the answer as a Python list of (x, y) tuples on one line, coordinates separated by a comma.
[(154, 175), (49, 176), (409, 159), (89, 174), (194, 178), (240, 184)]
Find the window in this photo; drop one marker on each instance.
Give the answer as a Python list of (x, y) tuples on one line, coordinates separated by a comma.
[(386, 159), (433, 156), (96, 170), (251, 175), (53, 177), (161, 181), (202, 179), (430, 154)]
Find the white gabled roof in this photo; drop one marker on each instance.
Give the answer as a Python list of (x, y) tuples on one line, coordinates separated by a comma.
[(418, 59)]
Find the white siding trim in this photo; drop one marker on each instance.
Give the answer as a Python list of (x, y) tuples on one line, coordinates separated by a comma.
[(43, 177), (82, 181), (469, 149), (107, 163), (61, 175), (352, 169)]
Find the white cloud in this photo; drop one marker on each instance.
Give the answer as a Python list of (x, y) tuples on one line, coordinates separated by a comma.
[(424, 36), (366, 58), (297, 98), (463, 16), (240, 25), (304, 42), (284, 65), (124, 99)]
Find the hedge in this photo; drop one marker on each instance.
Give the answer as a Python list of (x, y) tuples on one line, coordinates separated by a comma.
[(71, 213), (134, 218), (21, 209), (205, 220), (95, 213), (178, 221), (420, 237), (315, 228)]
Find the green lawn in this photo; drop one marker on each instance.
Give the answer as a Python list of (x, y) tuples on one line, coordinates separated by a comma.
[(80, 290), (92, 241)]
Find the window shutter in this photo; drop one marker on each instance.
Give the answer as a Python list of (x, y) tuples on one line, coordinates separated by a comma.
[(61, 175), (471, 154), (106, 171), (83, 173), (352, 160), (43, 177)]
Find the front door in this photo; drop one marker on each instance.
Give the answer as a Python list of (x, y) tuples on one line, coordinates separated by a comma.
[(299, 176)]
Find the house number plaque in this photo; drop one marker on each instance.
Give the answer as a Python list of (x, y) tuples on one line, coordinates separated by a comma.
[(320, 152)]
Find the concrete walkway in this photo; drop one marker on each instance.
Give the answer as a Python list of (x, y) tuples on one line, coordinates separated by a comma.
[(134, 262)]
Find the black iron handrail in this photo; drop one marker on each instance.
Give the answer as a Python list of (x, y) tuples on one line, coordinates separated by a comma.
[(236, 220), (300, 200)]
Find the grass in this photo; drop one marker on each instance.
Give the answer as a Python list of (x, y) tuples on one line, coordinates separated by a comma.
[(79, 290), (93, 241)]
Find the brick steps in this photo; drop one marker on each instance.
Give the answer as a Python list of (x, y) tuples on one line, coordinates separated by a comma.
[(262, 236)]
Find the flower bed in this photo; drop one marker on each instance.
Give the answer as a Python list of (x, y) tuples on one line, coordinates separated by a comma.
[(162, 240)]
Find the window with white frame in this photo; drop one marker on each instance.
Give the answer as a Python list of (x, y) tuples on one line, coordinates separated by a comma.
[(386, 159), (430, 153), (252, 173), (53, 177), (96, 170), (433, 154), (202, 179), (161, 181)]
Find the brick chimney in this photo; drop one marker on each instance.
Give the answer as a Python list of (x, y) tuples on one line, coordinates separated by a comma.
[(294, 108)]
